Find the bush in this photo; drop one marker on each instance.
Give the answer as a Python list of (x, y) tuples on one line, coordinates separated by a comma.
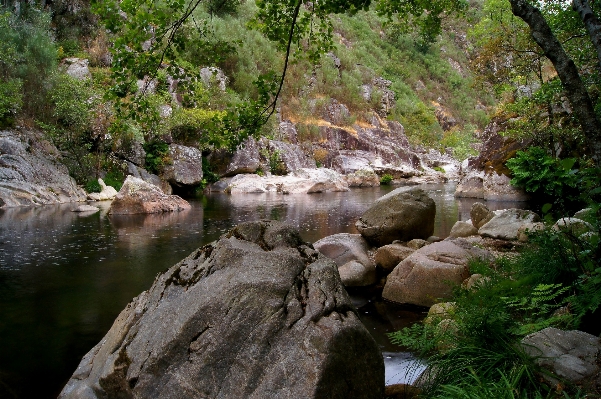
[(28, 54), (198, 127), (386, 179), (157, 155), (555, 182), (11, 101)]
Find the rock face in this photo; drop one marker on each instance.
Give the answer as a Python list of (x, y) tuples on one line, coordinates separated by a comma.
[(245, 160), (400, 215), (506, 224), (106, 193), (186, 166), (568, 354), (349, 251), (257, 314), (141, 173), (137, 196), (30, 172), (429, 273)]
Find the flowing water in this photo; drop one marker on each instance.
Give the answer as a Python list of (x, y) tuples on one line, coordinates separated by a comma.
[(64, 277)]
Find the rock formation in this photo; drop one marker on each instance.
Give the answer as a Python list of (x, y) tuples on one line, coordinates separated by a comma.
[(137, 196), (350, 252), (400, 215), (31, 172), (257, 314)]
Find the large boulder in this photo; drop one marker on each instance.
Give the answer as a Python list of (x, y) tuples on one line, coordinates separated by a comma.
[(389, 256), (429, 274), (463, 229), (570, 355), (137, 196), (185, 168), (480, 214), (400, 215), (506, 224), (257, 314), (31, 172), (77, 68), (245, 160), (350, 252)]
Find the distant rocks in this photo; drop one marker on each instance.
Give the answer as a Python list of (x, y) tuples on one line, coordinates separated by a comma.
[(31, 172), (257, 314), (139, 197), (77, 68), (87, 209), (301, 181), (399, 215)]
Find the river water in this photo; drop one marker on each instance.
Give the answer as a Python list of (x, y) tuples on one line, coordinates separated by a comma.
[(64, 277)]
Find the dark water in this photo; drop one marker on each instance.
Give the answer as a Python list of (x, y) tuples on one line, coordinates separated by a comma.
[(64, 277)]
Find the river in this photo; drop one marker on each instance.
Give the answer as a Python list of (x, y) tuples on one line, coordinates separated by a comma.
[(64, 277)]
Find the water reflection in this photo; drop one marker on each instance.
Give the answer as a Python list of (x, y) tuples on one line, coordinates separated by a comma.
[(64, 277)]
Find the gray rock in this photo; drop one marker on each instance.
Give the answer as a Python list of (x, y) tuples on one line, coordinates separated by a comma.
[(185, 168), (77, 68), (573, 226), (506, 224), (571, 355), (480, 214), (257, 314), (31, 172), (428, 275), (528, 228), (141, 173), (389, 256), (291, 156), (356, 274), (245, 160), (213, 76), (139, 197), (86, 209), (463, 229), (417, 243), (400, 215), (584, 214), (350, 252), (107, 193), (497, 187), (363, 178)]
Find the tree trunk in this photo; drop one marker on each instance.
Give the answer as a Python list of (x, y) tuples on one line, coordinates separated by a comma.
[(591, 22), (567, 72)]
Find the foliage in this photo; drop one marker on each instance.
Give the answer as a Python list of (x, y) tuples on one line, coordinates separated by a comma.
[(461, 141), (480, 337), (27, 58), (157, 155), (551, 180), (275, 162), (198, 127), (11, 101), (386, 179)]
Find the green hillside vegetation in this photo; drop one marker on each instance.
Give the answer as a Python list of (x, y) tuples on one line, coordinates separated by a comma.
[(93, 122)]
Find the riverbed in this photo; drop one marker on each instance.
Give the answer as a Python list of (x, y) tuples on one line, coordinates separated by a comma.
[(64, 277)]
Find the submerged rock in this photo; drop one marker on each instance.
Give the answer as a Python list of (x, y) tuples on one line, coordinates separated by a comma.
[(137, 196), (257, 314), (400, 215)]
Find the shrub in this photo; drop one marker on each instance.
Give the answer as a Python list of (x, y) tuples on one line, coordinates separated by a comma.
[(198, 127), (157, 155), (11, 101), (386, 179), (461, 141)]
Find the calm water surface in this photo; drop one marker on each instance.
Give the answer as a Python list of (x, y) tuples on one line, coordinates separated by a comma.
[(64, 277)]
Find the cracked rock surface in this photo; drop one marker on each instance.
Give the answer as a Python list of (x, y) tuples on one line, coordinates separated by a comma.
[(257, 314)]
